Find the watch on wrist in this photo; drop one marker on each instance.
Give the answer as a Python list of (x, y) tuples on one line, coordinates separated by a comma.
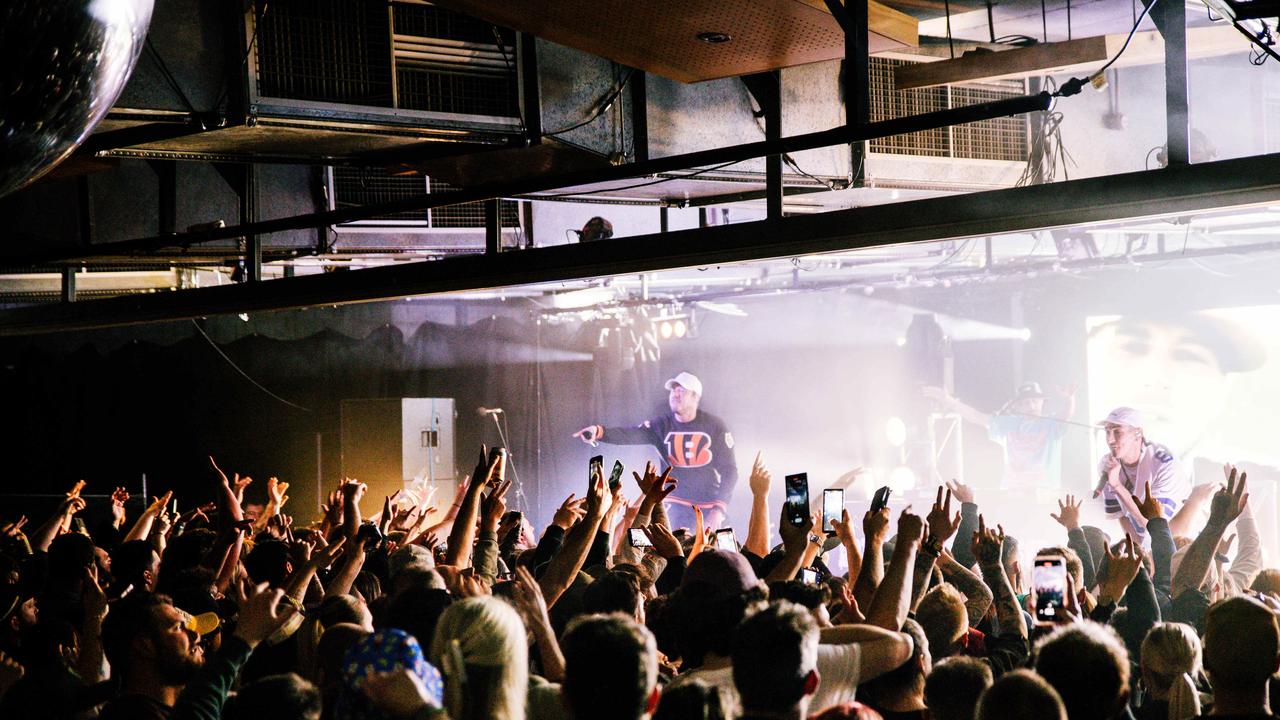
[(932, 547)]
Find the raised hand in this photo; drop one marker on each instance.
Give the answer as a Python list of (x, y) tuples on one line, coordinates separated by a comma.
[(351, 488), (795, 538), (1229, 503), (760, 479), (850, 613), (664, 542), (118, 498), (962, 492), (529, 598), (875, 525), (276, 492), (844, 528), (987, 544), (260, 613), (569, 512), (1122, 567), (494, 505), (1149, 506), (158, 504), (699, 534), (589, 435), (598, 496), (323, 557), (13, 530), (1069, 511), (942, 525), (238, 485), (910, 526)]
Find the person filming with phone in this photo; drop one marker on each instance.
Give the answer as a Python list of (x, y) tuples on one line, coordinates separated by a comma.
[(695, 445), (1133, 464)]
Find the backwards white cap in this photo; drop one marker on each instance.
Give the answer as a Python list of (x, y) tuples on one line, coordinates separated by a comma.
[(1126, 416), (688, 381)]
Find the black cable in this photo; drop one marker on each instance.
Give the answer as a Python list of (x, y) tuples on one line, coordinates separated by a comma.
[(244, 374), (946, 5), (991, 22), (168, 76), (605, 103), (1068, 20), (1044, 20), (244, 61), (1074, 85)]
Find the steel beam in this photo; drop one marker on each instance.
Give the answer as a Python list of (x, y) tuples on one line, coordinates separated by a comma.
[(1171, 21), (766, 88), (656, 166), (530, 92), (639, 115), (1169, 191)]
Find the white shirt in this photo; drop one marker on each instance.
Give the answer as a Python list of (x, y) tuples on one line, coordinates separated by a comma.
[(1169, 484), (838, 668)]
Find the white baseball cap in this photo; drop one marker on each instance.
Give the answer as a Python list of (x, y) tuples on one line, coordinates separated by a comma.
[(1126, 416), (688, 381)]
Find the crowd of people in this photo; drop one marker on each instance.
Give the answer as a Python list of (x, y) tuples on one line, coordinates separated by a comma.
[(392, 608)]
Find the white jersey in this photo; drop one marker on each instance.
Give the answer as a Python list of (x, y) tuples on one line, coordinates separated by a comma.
[(1169, 484)]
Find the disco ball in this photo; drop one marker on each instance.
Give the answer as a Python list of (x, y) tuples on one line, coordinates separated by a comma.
[(63, 63)]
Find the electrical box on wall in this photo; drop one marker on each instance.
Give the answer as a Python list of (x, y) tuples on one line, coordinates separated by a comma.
[(393, 443)]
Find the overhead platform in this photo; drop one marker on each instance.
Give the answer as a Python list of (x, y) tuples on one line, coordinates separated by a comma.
[(695, 40)]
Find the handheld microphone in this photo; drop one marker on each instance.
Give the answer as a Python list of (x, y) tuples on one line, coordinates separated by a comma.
[(482, 411), (1102, 481)]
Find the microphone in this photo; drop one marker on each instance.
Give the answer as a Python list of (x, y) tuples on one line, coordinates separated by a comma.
[(482, 411), (1102, 483)]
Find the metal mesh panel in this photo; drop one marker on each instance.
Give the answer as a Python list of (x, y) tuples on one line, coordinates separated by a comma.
[(998, 139), (456, 90), (887, 104), (362, 186), (469, 215), (324, 50)]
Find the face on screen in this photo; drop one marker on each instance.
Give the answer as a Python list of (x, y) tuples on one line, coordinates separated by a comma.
[(1165, 370)]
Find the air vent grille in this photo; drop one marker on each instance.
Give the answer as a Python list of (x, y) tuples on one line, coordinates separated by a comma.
[(361, 186)]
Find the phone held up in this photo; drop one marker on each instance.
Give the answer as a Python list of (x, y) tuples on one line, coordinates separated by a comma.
[(1049, 583), (880, 500), (615, 477), (725, 540), (637, 538), (594, 467), (797, 504), (499, 454), (832, 509)]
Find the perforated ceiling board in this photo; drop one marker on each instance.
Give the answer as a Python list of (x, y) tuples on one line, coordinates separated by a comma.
[(661, 36)]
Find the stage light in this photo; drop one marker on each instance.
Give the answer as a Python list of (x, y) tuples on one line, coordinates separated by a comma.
[(680, 328), (902, 479), (1025, 334), (902, 342), (665, 329), (896, 431)]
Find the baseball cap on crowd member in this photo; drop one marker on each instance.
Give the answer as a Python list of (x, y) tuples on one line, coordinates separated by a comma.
[(1029, 390), (1126, 416), (686, 380)]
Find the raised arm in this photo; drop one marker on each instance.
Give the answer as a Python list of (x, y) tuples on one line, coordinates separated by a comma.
[(345, 577), (464, 525), (564, 567), (977, 595), (352, 492), (795, 542), (1069, 517), (758, 525), (1182, 521), (988, 546), (1227, 505), (941, 525), (954, 404), (962, 548), (871, 573), (853, 557), (893, 597), (72, 504)]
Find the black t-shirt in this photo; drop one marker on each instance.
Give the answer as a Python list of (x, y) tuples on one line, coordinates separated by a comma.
[(134, 707), (699, 453)]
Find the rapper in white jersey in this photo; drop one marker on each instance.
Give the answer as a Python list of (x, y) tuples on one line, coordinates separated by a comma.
[(1134, 461)]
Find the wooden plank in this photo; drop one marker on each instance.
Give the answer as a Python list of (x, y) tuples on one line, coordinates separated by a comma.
[(1073, 56), (661, 36)]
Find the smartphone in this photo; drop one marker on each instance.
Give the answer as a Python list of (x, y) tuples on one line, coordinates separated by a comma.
[(500, 455), (637, 538), (832, 508), (880, 500), (725, 540), (809, 576), (615, 477), (1049, 583), (797, 505), (595, 467)]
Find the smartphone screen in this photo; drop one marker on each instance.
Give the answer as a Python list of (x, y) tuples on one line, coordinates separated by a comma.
[(595, 467), (615, 477), (881, 499), (832, 507), (797, 498), (1049, 580), (637, 538), (725, 540), (499, 454), (809, 575)]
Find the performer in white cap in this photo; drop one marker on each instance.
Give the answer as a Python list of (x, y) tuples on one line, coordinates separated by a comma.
[(696, 445), (1132, 462)]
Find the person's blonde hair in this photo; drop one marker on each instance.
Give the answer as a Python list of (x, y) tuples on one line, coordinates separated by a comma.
[(480, 646), (1171, 660), (945, 619)]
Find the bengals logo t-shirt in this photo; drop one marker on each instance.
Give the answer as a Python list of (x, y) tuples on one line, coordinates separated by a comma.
[(699, 453)]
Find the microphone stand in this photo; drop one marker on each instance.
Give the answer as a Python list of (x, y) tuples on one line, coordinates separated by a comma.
[(521, 502)]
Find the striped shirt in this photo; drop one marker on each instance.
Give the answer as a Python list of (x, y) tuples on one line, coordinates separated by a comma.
[(1156, 464)]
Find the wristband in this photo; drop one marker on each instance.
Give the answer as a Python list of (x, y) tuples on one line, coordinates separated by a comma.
[(931, 547)]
